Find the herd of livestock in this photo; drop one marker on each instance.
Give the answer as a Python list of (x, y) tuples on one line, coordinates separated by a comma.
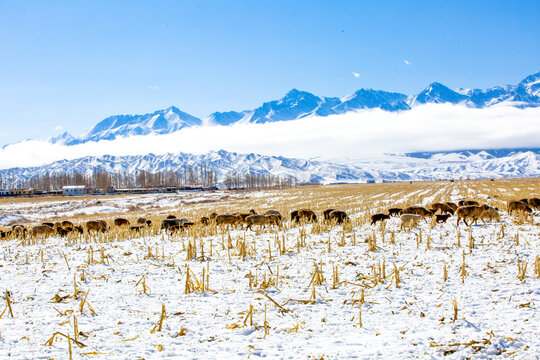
[(410, 217)]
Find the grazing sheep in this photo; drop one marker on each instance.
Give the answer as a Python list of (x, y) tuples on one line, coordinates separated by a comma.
[(97, 226), (260, 220), (452, 205), (144, 221), (141, 220), (409, 220), (534, 203), (443, 208), (42, 230), (181, 226), (326, 214), (490, 214), (467, 203), (63, 232), (18, 231), (67, 224), (306, 215), (441, 218), (274, 212), (205, 220), (121, 222), (379, 217), (227, 219), (338, 216), (78, 228), (469, 212), (48, 224), (274, 219), (243, 215), (394, 211), (518, 206), (167, 224), (418, 210)]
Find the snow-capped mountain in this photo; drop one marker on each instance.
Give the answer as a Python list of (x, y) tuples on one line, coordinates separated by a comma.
[(392, 167), (159, 122), (299, 104)]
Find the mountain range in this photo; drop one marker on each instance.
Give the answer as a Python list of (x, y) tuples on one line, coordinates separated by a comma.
[(393, 167), (299, 104)]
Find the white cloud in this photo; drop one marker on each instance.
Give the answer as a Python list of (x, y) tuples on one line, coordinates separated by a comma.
[(406, 62), (58, 128), (356, 75), (153, 87), (430, 127)]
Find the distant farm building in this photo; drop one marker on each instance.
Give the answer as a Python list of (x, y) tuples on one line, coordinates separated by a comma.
[(76, 190)]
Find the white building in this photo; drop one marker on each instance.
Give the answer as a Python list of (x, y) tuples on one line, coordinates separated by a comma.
[(76, 190)]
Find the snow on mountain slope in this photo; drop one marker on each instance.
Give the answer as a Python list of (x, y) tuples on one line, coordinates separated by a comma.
[(392, 167), (300, 104), (159, 122)]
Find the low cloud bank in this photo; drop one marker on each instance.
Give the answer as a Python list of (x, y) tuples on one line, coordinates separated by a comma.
[(433, 127)]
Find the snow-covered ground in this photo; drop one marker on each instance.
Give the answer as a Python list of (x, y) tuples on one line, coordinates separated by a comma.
[(415, 318)]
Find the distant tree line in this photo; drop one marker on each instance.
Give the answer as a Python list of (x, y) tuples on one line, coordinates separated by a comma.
[(185, 177), (257, 181)]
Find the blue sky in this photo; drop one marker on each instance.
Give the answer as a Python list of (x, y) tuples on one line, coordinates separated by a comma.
[(67, 65)]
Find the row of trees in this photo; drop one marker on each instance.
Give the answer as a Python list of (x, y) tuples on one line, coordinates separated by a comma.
[(188, 176)]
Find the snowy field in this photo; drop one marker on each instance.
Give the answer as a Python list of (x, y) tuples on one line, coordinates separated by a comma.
[(303, 292)]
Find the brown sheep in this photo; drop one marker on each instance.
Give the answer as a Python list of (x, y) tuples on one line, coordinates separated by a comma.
[(518, 206), (260, 220), (181, 226), (338, 216), (48, 224), (394, 211), (167, 224), (171, 217), (306, 215), (63, 232), (143, 221), (136, 228), (490, 214), (274, 219), (121, 222), (441, 218), (294, 216), (418, 210), (42, 230), (67, 224), (452, 205), (274, 212), (467, 203), (227, 219), (18, 231), (97, 226), (4, 234), (473, 212), (443, 208), (79, 229), (409, 220), (379, 217), (204, 220), (534, 203), (243, 215), (326, 214)]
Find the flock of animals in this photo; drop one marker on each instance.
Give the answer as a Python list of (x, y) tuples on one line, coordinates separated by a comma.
[(463, 210), (410, 217)]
